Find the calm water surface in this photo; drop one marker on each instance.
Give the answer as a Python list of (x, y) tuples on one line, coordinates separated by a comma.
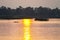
[(12, 30)]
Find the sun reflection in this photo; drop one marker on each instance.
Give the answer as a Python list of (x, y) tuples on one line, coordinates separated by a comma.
[(27, 24)]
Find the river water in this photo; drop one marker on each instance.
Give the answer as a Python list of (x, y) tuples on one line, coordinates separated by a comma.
[(40, 30)]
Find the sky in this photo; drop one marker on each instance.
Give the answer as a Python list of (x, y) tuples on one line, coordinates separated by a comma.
[(31, 3)]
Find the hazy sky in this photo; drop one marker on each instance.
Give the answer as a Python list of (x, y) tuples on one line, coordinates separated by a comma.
[(33, 3)]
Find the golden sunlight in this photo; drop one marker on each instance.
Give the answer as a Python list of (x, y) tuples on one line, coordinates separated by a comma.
[(27, 24)]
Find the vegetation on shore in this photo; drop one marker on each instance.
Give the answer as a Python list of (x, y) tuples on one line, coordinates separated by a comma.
[(28, 12)]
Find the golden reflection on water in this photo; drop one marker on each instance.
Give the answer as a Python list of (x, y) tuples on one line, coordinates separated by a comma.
[(27, 25)]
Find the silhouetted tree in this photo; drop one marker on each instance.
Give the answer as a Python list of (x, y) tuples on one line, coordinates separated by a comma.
[(42, 12), (29, 12), (55, 13)]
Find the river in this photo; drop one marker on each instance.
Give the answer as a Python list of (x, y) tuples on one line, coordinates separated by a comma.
[(40, 30)]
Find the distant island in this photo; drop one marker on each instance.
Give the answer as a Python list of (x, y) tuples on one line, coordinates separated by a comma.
[(29, 12)]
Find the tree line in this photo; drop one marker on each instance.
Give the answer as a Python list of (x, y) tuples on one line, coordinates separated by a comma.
[(30, 12)]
